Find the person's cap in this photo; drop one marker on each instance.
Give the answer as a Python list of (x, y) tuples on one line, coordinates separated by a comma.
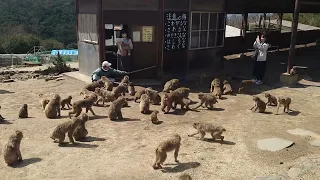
[(106, 63)]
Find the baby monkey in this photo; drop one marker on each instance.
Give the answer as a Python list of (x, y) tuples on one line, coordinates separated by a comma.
[(272, 100), (23, 113), (258, 105), (173, 143), (66, 101), (154, 117), (202, 128), (285, 102)]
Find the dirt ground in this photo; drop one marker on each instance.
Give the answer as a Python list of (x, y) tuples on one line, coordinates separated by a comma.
[(126, 150)]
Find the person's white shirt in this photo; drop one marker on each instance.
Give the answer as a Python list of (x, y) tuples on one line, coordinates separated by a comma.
[(262, 50)]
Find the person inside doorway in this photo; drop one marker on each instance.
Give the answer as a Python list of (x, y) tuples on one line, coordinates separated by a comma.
[(124, 52), (106, 70), (261, 49)]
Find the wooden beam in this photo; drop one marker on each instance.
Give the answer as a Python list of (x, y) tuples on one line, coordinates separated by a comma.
[(244, 24), (310, 3), (294, 29)]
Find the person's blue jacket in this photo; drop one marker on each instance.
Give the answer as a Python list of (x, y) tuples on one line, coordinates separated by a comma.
[(110, 73)]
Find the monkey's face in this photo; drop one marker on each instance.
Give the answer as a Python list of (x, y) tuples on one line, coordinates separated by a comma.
[(267, 95), (255, 98), (19, 134), (69, 97)]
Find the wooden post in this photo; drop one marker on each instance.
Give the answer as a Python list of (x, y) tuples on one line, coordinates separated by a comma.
[(260, 19), (264, 20), (160, 39), (280, 21), (294, 29), (244, 24)]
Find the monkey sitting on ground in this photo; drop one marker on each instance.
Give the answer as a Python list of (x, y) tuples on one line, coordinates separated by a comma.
[(185, 177), (60, 130), (173, 143), (215, 82), (217, 91), (125, 80), (11, 150), (207, 99), (171, 85), (81, 132), (92, 86), (227, 89), (43, 101), (154, 96), (120, 90), (131, 89), (66, 101), (245, 85), (104, 95), (293, 71), (1, 118), (52, 109), (114, 111), (23, 113), (144, 104), (202, 128), (258, 105), (154, 117), (108, 83), (84, 103), (272, 100), (285, 102)]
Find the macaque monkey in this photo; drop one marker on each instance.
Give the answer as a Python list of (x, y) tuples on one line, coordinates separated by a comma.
[(114, 111), (293, 71), (92, 86), (207, 99), (285, 102), (66, 101), (168, 145), (214, 82), (120, 90), (81, 132), (217, 91), (171, 85), (108, 83), (202, 128), (144, 104), (52, 109), (154, 117), (227, 89), (43, 101), (154, 96), (131, 89), (84, 103), (23, 113), (272, 100), (11, 150), (258, 105)]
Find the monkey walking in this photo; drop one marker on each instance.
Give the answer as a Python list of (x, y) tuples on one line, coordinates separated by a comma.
[(66, 101), (104, 95), (258, 105), (52, 109), (202, 128), (171, 85), (272, 100), (59, 132), (84, 103), (11, 150), (207, 99), (168, 145), (23, 113), (285, 102)]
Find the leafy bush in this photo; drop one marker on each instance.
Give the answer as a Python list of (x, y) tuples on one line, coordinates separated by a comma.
[(59, 66)]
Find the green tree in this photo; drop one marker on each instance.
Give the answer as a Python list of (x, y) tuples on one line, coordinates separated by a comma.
[(312, 19), (20, 43), (51, 44)]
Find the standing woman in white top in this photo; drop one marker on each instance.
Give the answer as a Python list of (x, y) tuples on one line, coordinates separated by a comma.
[(261, 47)]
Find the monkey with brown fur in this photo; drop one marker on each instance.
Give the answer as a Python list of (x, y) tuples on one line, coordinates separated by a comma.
[(43, 101), (105, 95), (227, 89), (214, 82), (108, 83), (272, 100), (171, 100), (144, 104), (258, 105), (114, 111), (92, 86), (52, 109), (184, 92), (139, 94), (131, 89), (285, 102), (207, 99), (245, 85), (202, 128), (23, 113), (171, 85), (173, 143), (185, 177), (125, 80), (11, 150), (66, 101), (166, 102), (84, 103), (154, 96), (154, 117), (217, 91), (81, 132), (59, 132), (293, 71), (120, 90)]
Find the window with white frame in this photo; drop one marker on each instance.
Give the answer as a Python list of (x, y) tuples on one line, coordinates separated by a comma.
[(207, 30)]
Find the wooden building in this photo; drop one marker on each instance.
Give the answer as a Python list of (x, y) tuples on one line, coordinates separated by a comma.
[(171, 34)]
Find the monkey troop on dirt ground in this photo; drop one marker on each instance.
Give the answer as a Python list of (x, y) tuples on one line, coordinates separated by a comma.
[(104, 90)]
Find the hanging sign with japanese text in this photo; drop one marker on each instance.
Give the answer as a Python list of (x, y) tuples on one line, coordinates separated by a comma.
[(175, 31)]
